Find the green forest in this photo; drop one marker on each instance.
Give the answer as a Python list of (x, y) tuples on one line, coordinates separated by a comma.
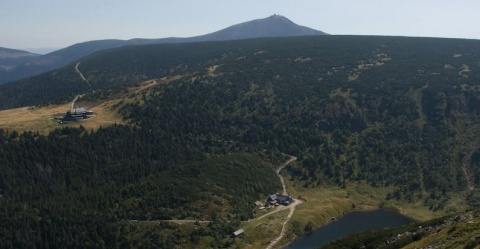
[(389, 111), (76, 188)]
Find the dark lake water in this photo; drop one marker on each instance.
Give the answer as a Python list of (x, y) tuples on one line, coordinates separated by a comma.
[(351, 223)]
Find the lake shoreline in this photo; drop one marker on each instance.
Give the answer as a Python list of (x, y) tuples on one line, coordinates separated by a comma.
[(355, 221)]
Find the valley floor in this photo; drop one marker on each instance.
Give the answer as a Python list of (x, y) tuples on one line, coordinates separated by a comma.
[(320, 204)]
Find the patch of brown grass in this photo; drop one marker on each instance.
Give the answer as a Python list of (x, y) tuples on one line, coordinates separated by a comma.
[(259, 233), (32, 118), (42, 119)]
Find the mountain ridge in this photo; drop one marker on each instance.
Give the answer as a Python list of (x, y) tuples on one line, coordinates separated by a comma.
[(8, 53), (11, 58), (273, 26)]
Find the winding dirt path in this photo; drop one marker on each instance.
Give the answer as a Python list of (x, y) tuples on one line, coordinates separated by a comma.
[(174, 221), (73, 102), (466, 168), (284, 226), (280, 208), (291, 206), (80, 73), (292, 159)]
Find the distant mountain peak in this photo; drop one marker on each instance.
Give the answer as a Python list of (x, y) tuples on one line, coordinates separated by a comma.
[(272, 26), (279, 17)]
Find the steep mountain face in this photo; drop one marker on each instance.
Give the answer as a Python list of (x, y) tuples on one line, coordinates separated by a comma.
[(273, 26)]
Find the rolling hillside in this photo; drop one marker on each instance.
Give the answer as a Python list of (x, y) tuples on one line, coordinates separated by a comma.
[(399, 114), (10, 59), (273, 26), (339, 99), (6, 53)]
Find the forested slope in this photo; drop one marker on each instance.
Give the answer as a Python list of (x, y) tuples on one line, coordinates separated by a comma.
[(272, 26), (75, 188), (391, 111)]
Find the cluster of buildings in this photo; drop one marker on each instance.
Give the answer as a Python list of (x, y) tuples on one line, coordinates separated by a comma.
[(275, 200), (77, 114), (272, 201)]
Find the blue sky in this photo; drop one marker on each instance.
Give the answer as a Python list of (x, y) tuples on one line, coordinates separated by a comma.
[(60, 23)]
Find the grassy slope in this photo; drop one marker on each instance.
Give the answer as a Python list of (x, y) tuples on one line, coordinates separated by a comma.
[(324, 202), (452, 231), (459, 235), (41, 119)]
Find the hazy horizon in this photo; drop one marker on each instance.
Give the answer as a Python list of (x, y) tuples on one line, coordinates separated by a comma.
[(55, 24)]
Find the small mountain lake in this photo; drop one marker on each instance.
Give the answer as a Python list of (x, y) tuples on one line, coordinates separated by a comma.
[(354, 222)]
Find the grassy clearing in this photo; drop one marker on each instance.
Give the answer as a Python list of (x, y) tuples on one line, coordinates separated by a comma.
[(41, 119), (259, 233), (321, 203), (324, 202), (32, 118)]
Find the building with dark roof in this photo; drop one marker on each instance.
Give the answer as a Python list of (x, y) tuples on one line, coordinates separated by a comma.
[(276, 200), (77, 115)]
